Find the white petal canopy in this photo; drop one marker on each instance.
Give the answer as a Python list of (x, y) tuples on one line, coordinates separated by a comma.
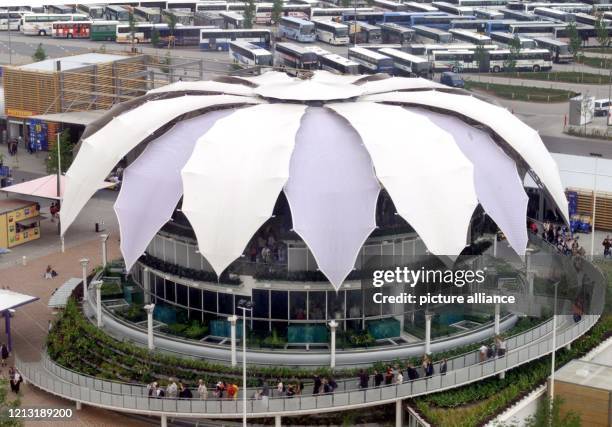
[(330, 143)]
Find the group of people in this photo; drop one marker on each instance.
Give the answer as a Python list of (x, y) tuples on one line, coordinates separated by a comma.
[(174, 390), (560, 237), (13, 146), (498, 348), (265, 248), (395, 375)]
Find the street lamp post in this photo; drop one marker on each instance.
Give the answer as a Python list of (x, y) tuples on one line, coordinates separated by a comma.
[(597, 156), (84, 262), (245, 305), (554, 347)]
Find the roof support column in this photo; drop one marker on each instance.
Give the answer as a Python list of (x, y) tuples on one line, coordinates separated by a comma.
[(84, 263), (146, 283), (103, 239), (98, 285), (399, 413), (277, 421), (149, 308), (333, 325), (497, 318), (428, 317), (164, 421)]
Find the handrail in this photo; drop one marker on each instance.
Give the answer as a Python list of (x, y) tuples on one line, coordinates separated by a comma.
[(71, 388)]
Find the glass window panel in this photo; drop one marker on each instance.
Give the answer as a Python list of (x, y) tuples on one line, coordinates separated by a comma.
[(195, 298), (169, 250), (279, 304), (170, 292), (298, 305), (280, 328), (159, 286), (371, 308), (181, 294), (335, 305), (353, 300), (316, 309), (226, 303), (181, 254), (261, 303), (210, 301)]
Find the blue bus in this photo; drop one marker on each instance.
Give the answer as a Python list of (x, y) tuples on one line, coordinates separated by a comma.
[(441, 22), (297, 29), (370, 61), (216, 39)]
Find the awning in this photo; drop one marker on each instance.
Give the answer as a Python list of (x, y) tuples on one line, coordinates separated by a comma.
[(10, 299), (45, 187), (74, 118), (61, 294)]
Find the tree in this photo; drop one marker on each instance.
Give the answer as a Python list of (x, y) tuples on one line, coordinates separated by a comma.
[(277, 11), (249, 14), (550, 415), (132, 25), (39, 54), (155, 37), (7, 403), (515, 50), (575, 42), (482, 58), (603, 38), (66, 148)]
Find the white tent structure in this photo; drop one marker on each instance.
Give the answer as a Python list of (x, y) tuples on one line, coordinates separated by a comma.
[(330, 143)]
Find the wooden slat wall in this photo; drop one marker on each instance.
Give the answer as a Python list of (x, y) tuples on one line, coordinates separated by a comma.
[(592, 404), (32, 91), (603, 213)]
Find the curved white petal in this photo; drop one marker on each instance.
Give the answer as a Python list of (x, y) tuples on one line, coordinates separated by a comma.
[(308, 90), (234, 177), (332, 192), (152, 184), (498, 185), (104, 149), (400, 83), (269, 77), (523, 139), (429, 179), (324, 76), (206, 86)]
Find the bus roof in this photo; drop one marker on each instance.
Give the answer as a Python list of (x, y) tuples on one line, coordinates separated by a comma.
[(296, 20), (340, 59), (116, 8), (292, 47), (402, 55), (250, 46), (329, 23), (234, 30), (367, 52), (470, 34), (548, 41), (318, 50)]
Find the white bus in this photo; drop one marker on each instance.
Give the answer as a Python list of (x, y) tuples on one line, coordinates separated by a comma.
[(331, 32), (427, 49), (41, 23), (527, 59), (407, 64), (453, 9), (506, 39), (297, 29), (14, 17), (453, 60), (71, 30), (558, 49), (333, 12), (151, 15), (295, 56), (556, 14), (413, 6), (95, 11), (370, 61), (391, 6), (488, 14), (249, 54), (435, 34), (211, 6), (338, 64), (470, 37)]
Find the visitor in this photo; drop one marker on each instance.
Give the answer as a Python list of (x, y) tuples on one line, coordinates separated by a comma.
[(202, 390), (4, 354), (184, 392), (219, 390), (159, 392), (378, 378), (290, 391), (50, 273), (500, 346), (232, 391), (364, 379), (280, 387), (607, 244), (429, 369), (389, 376), (53, 210), (483, 351), (333, 384), (443, 367), (399, 378), (172, 389), (327, 388), (151, 389), (317, 384), (412, 372)]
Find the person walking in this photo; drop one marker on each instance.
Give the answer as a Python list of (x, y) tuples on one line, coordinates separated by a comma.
[(4, 354), (443, 367), (172, 389), (607, 244), (378, 378), (364, 379), (316, 389), (202, 390)]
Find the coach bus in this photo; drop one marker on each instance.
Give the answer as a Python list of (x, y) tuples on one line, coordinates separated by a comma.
[(470, 37), (365, 33), (40, 23), (389, 5), (295, 56), (104, 30), (185, 35), (435, 34), (249, 54), (413, 6), (297, 10), (453, 9), (559, 50), (407, 64), (394, 33), (232, 20), (518, 15), (585, 18), (488, 14), (338, 64), (148, 14), (216, 39), (14, 17), (441, 22), (527, 59), (263, 13), (533, 28), (371, 17), (377, 47), (182, 17), (370, 61), (94, 11), (60, 8), (211, 6), (480, 3), (297, 29), (479, 25), (142, 33), (71, 30), (336, 12), (116, 13), (506, 39), (427, 49), (453, 60), (319, 51), (558, 15), (331, 32)]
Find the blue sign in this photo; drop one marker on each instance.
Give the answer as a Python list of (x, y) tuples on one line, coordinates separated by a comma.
[(38, 135)]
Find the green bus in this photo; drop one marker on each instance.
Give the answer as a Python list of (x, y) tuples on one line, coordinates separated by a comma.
[(104, 30)]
